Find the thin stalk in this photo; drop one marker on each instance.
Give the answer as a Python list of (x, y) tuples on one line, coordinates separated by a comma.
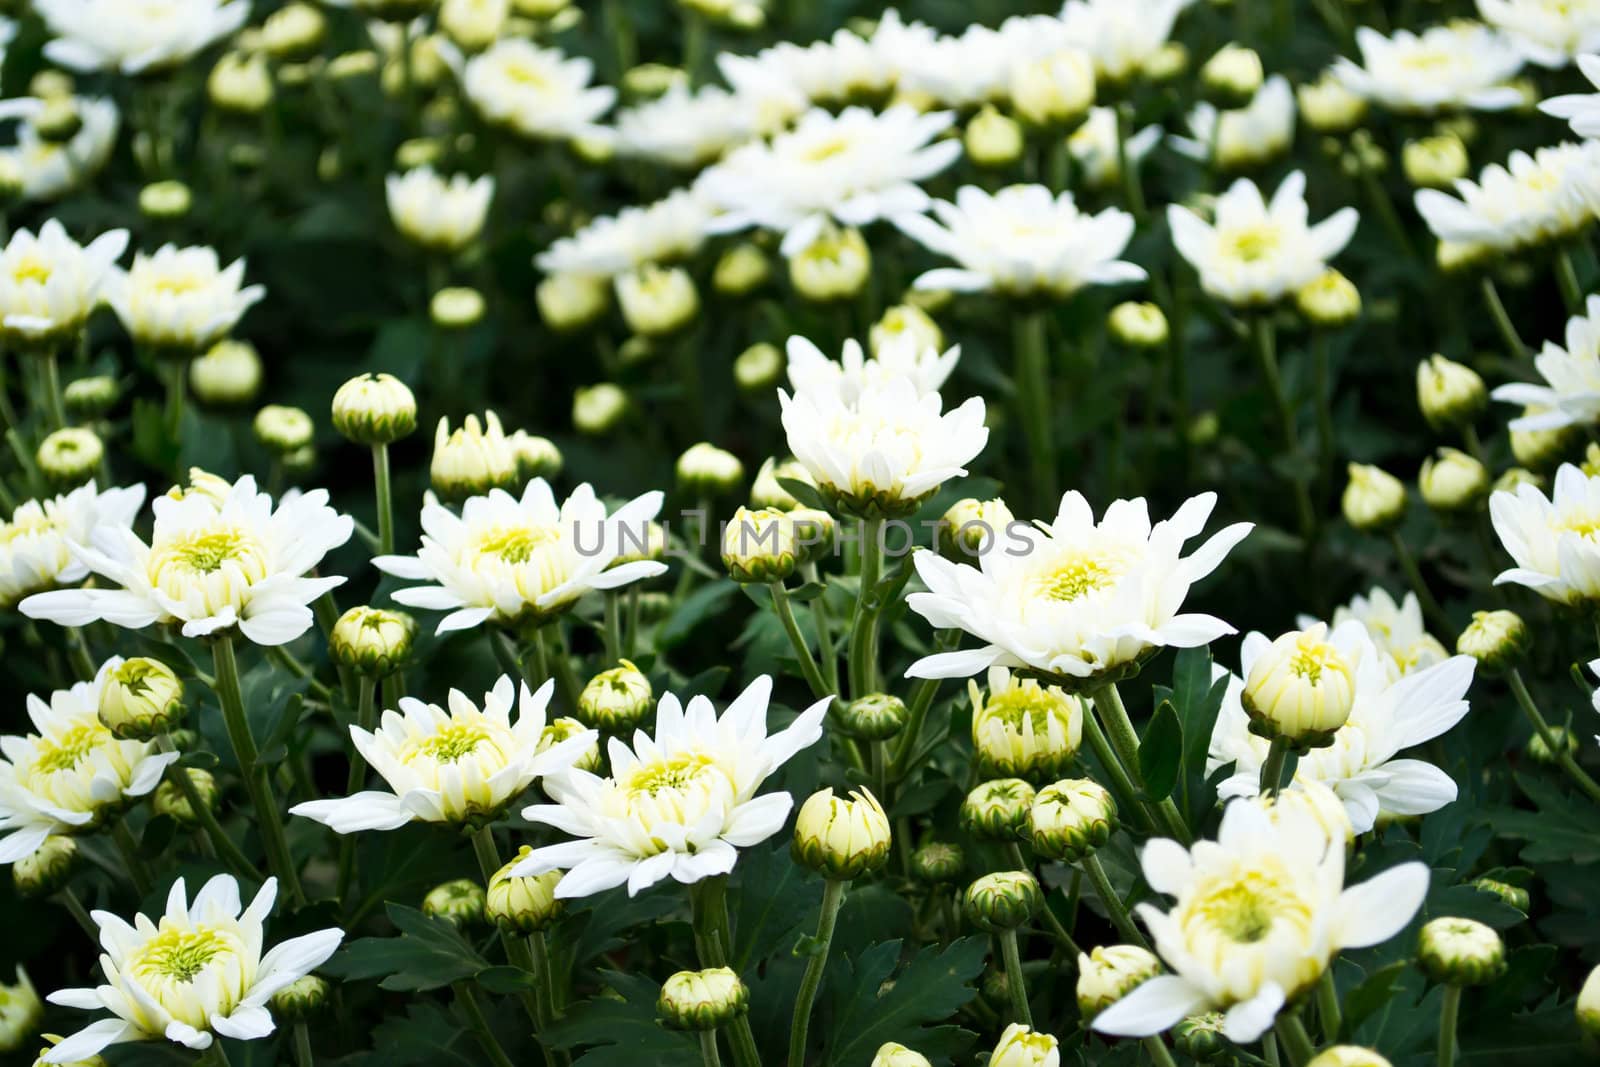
[(137, 870), (1430, 606), (1031, 378), (385, 495), (517, 951), (1158, 1051), (1449, 1010), (220, 840), (1328, 1008), (78, 653), (480, 1025), (50, 375), (917, 710), (177, 375), (1567, 279), (1272, 767), (1127, 169), (819, 615), (1108, 702), (559, 663), (1122, 789), (708, 900), (1502, 321), (70, 901), (863, 632), (216, 1055), (1324, 389), (1384, 206), (1016, 984), (1266, 349), (808, 665), (281, 655), (302, 1046), (612, 633), (1296, 1042), (708, 1049), (1114, 906), (366, 716), (832, 898), (1541, 726)]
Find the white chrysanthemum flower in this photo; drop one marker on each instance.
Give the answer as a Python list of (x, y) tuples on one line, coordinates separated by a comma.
[(1246, 136), (854, 167), (48, 168), (882, 451), (511, 561), (436, 212), (1397, 629), (181, 298), (855, 372), (672, 228), (50, 284), (1571, 393), (1460, 64), (451, 766), (1023, 241), (64, 778), (536, 92), (1076, 599), (1581, 110), (134, 36), (689, 129), (1555, 540), (1389, 714), (677, 805), (194, 972), (219, 557), (1121, 37), (36, 543), (1255, 251), (845, 67), (1551, 33), (975, 68), (1258, 915), (1094, 147), (1532, 200)]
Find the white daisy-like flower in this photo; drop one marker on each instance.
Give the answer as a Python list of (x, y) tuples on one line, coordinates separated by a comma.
[(1396, 628), (1121, 37), (1243, 137), (1094, 147), (135, 36), (536, 92), (845, 67), (1076, 599), (1581, 110), (511, 561), (854, 167), (220, 557), (50, 169), (689, 129), (1255, 251), (672, 228), (1532, 200), (435, 212), (451, 766), (1555, 540), (855, 371), (192, 974), (1457, 65), (679, 804), (181, 298), (975, 68), (50, 284), (1570, 395), (1551, 33), (1023, 241), (65, 777), (36, 543), (1363, 766), (1258, 915)]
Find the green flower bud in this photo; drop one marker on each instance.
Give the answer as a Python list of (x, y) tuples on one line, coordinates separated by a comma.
[(938, 862), (1460, 952), (1329, 301), (20, 1011), (537, 457), (1024, 729), (70, 456), (1002, 901), (651, 544), (1138, 325), (282, 429), (741, 270), (704, 470), (1070, 819), (1200, 1038), (833, 267), (59, 121), (657, 300), (1517, 476), (1167, 63), (1449, 393), (141, 697), (374, 409), (90, 398), (1452, 481), (458, 902), (302, 999), (561, 730), (1374, 500), (815, 533), (374, 641), (998, 810), (171, 801), (522, 905), (702, 1000), (759, 546), (1348, 1056), (240, 83), (767, 492), (293, 31), (905, 324), (995, 989), (1435, 162), (47, 868), (758, 368), (597, 409), (1231, 77), (569, 302), (649, 80), (993, 140), (617, 700), (1496, 639), (1565, 743), (1328, 107), (456, 307), (1588, 1008), (1110, 972), (165, 200), (894, 1054), (841, 839), (874, 717), (1513, 895), (227, 376), (1301, 688), (971, 528)]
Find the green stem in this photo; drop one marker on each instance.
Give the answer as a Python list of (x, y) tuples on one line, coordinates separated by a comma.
[(612, 633), (281, 655), (694, 46), (70, 901), (1127, 166), (819, 615), (220, 840), (832, 898), (708, 901), (50, 373), (480, 1025), (708, 1049), (1502, 321), (1384, 206), (1266, 348), (1328, 1007), (1125, 739), (1016, 984), (216, 1055), (302, 1046), (863, 631), (1430, 607), (1448, 1012), (1031, 379), (1296, 1042), (559, 662), (1114, 906), (808, 665), (366, 716), (1272, 767), (1324, 399), (177, 374), (1542, 727), (917, 712), (78, 653), (257, 783), (385, 495), (1567, 279), (1122, 789), (130, 855), (1158, 1051), (517, 951)]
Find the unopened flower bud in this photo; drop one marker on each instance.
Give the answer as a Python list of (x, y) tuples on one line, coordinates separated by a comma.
[(649, 80), (1460, 952), (473, 25), (70, 456), (641, 542), (1301, 688), (569, 302), (767, 490), (140, 698), (1513, 477), (564, 729), (702, 1000), (1232, 76), (240, 83), (522, 905), (759, 546), (374, 409), (165, 200), (227, 376), (874, 717), (1056, 90), (835, 266), (1563, 742), (90, 398), (1435, 162), (1200, 1038), (741, 270), (1167, 63), (302, 999), (20, 1011), (972, 528), (597, 409), (294, 31), (374, 641), (894, 1054), (1329, 301), (617, 700), (1452, 481), (839, 838), (998, 809), (704, 470), (537, 457), (1107, 973), (50, 83), (758, 368), (1496, 639), (1024, 729), (1374, 501), (1588, 1008), (1070, 819), (1348, 1056), (1449, 393), (1328, 107), (1511, 895), (282, 429), (458, 902), (905, 324), (171, 800), (938, 862), (1002, 901), (1542, 449), (992, 139), (47, 868), (656, 300), (59, 120), (1138, 325), (456, 307), (473, 459)]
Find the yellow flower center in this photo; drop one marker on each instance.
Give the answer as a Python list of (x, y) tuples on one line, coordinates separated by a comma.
[(675, 775), (1024, 703), (1078, 575), (1586, 526), (177, 284), (1310, 660), (518, 544), (31, 269), (67, 751), (528, 74), (24, 526), (207, 552), (1252, 243), (1427, 59), (1244, 909), (826, 150), (452, 743), (176, 955)]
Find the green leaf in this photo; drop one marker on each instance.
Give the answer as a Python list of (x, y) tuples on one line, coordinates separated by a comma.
[(927, 992), (428, 954), (621, 1030), (1161, 752), (1371, 995), (695, 609), (805, 492), (425, 1035), (772, 900)]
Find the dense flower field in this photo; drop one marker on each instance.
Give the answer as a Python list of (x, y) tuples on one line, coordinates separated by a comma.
[(764, 532)]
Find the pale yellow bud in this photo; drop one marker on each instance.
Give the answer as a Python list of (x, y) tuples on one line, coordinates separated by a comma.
[(537, 457), (1138, 325), (227, 376), (894, 1054), (373, 641), (617, 700), (1301, 689), (46, 869), (841, 838), (702, 1000), (1588, 1008), (169, 199), (759, 546), (1435, 162), (302, 999), (473, 459), (1348, 1056), (1455, 257), (704, 470), (171, 800), (597, 409), (564, 729), (90, 398), (282, 429), (649, 80), (1328, 107), (353, 64), (293, 31), (1055, 90), (70, 456), (1231, 77), (374, 409), (1542, 449), (1022, 1046), (456, 308), (758, 368), (1329, 301), (473, 24), (59, 120), (906, 324), (657, 300), (1460, 952), (1107, 973), (1002, 901), (1070, 819), (240, 83), (998, 809), (1023, 729), (1167, 62), (1374, 500), (972, 528), (1452, 481), (767, 490), (993, 139), (1449, 393), (742, 269), (522, 905), (833, 267), (140, 698), (21, 1011)]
